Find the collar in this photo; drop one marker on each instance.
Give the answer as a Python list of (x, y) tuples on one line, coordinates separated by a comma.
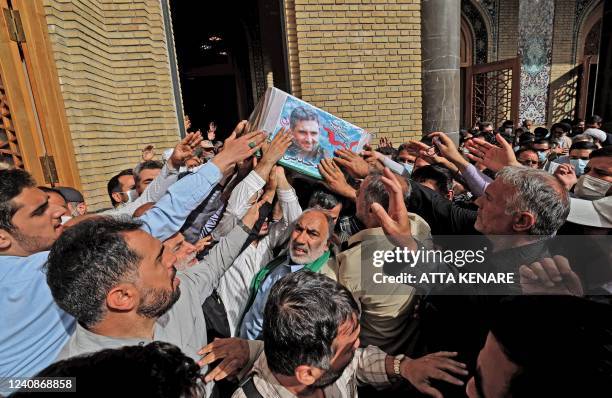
[(510, 259), (289, 264), (273, 389), (364, 234), (91, 342)]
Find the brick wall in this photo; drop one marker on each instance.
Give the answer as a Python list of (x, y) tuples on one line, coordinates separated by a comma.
[(563, 82), (507, 46), (292, 48), (360, 60), (562, 61), (112, 61)]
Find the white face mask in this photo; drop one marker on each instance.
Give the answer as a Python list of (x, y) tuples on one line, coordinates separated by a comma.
[(591, 188), (132, 195), (65, 219)]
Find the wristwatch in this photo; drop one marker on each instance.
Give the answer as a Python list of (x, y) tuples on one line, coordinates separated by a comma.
[(396, 366)]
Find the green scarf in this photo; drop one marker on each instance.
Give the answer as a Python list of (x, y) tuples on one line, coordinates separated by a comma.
[(315, 266)]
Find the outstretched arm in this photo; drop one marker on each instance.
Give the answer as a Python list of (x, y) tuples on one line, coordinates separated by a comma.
[(170, 213)]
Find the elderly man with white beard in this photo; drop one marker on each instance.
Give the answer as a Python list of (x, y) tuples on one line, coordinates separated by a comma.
[(309, 249)]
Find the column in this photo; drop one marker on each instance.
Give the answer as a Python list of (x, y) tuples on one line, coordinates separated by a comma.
[(536, 20), (440, 32)]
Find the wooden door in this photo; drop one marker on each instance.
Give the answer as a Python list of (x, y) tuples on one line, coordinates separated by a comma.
[(34, 132)]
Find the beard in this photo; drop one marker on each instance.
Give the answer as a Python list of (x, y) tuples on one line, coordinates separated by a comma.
[(308, 256), (330, 377), (156, 302), (32, 244)]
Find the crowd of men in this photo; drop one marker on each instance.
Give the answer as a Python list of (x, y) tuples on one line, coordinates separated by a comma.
[(217, 272)]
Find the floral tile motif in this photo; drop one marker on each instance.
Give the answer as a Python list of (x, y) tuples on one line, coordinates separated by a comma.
[(582, 6), (475, 19), (535, 47)]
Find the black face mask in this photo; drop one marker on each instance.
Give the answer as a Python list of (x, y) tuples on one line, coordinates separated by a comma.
[(264, 212)]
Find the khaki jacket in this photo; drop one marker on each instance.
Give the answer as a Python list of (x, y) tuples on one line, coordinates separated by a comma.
[(386, 309)]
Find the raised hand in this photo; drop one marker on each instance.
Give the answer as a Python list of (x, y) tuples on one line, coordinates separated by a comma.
[(384, 142), (447, 148), (148, 153), (335, 179), (282, 182), (395, 222), (270, 188), (238, 149), (566, 175), (211, 133), (374, 159), (550, 276), (492, 157), (203, 243), (354, 164), (437, 366), (234, 353), (184, 149), (272, 152), (252, 215)]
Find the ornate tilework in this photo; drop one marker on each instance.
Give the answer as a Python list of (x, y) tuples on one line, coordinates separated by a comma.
[(535, 47), (582, 6), (474, 18), (491, 7)]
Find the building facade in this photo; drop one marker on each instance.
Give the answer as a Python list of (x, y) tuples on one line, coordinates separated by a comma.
[(86, 84)]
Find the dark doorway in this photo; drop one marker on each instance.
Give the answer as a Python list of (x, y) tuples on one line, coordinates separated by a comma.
[(226, 52)]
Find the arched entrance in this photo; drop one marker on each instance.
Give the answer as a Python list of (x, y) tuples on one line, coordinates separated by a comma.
[(587, 55), (466, 51), (227, 53)]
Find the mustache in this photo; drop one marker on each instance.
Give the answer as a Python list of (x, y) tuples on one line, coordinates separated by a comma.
[(300, 246)]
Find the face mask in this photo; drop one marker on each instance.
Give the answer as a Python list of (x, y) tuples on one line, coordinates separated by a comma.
[(591, 188), (579, 165), (409, 167), (542, 157), (65, 219), (132, 195), (516, 148)]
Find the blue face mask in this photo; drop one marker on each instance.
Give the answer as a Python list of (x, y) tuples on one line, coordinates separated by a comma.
[(579, 165), (542, 157), (409, 167)]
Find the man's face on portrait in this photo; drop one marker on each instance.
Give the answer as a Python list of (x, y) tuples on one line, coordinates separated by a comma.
[(306, 134)]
